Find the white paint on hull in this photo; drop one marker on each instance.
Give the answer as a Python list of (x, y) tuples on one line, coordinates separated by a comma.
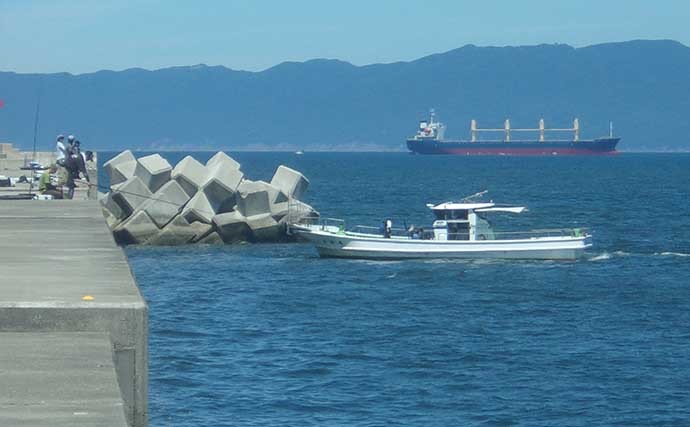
[(330, 244)]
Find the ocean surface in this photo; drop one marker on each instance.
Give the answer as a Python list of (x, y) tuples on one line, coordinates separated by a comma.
[(272, 335)]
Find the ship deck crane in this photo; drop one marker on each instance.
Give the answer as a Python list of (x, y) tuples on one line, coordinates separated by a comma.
[(541, 129)]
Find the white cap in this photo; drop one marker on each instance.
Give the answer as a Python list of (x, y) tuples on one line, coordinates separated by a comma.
[(70, 138), (60, 137)]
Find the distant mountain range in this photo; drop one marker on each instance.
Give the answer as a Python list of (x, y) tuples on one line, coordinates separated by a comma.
[(642, 86)]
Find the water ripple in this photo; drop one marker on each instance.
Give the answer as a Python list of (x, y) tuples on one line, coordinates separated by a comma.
[(257, 335)]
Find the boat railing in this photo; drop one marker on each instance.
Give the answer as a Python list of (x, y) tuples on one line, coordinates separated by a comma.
[(419, 234), (365, 229), (300, 214), (327, 223), (526, 234), (545, 232), (337, 225)]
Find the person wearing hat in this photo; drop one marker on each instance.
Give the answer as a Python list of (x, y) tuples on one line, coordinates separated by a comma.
[(81, 159), (70, 142), (60, 150), (74, 165)]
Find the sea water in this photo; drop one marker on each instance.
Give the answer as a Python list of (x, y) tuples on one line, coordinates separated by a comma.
[(273, 335)]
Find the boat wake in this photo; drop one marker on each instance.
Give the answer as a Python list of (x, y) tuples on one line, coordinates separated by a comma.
[(465, 261), (601, 257), (608, 255), (678, 254), (373, 262)]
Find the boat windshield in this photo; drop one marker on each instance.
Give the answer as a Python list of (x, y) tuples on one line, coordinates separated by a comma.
[(448, 214)]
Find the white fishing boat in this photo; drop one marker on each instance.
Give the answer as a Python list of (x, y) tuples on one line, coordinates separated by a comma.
[(461, 230)]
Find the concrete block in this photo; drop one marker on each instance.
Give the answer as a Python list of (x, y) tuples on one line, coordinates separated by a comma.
[(254, 203), (255, 198), (264, 228), (232, 227), (277, 200), (221, 186), (278, 196), (109, 219), (190, 174), (130, 194), (223, 160), (212, 238), (108, 204), (274, 193), (290, 182), (280, 210), (199, 209), (167, 202), (122, 172), (124, 157), (200, 230), (154, 171), (137, 229), (177, 232), (112, 212)]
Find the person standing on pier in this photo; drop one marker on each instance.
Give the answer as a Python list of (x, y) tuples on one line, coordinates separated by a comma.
[(60, 150), (75, 165)]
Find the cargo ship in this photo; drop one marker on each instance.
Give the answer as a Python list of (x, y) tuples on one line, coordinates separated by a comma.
[(429, 139)]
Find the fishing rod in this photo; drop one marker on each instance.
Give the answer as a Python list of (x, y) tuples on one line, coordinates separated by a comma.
[(32, 165), (145, 196), (151, 197), (36, 117)]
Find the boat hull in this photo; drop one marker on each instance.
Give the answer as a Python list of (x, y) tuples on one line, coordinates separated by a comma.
[(330, 244), (601, 146)]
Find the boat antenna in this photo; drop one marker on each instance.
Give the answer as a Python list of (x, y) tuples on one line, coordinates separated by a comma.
[(610, 129), (474, 196)]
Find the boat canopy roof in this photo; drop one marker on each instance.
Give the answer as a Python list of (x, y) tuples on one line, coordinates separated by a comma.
[(454, 206), (477, 207), (510, 209)]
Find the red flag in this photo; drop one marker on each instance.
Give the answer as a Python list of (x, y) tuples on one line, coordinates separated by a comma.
[(2, 103)]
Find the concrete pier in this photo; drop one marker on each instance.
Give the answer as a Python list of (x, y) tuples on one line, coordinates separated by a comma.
[(73, 325), (59, 379)]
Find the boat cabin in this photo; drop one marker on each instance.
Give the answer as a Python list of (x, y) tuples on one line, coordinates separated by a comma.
[(466, 221)]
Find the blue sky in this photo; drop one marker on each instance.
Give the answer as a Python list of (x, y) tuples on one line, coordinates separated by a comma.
[(88, 35)]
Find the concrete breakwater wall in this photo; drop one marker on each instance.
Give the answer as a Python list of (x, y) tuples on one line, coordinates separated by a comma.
[(150, 202), (73, 325)]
